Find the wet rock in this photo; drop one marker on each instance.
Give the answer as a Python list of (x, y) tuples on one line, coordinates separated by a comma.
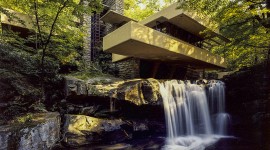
[(41, 132), (4, 138), (99, 86), (72, 108), (140, 126), (140, 129), (75, 86), (136, 91), (116, 136), (139, 92), (157, 127), (91, 110), (81, 130), (104, 80)]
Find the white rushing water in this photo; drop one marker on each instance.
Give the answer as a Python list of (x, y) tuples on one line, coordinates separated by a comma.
[(216, 98), (195, 114)]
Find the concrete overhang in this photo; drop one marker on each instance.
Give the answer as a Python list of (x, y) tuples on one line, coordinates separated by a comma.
[(19, 19), (189, 21), (136, 40), (22, 20), (113, 17)]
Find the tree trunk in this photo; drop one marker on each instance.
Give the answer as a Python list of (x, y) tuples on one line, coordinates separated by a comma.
[(45, 42), (268, 57), (268, 14)]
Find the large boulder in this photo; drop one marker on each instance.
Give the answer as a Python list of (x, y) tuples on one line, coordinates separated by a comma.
[(40, 131), (136, 91), (98, 86), (139, 91), (82, 130)]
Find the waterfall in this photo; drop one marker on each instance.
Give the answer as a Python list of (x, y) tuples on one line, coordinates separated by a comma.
[(194, 113), (216, 97)]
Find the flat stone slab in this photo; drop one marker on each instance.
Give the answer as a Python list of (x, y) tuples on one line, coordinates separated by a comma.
[(42, 131)]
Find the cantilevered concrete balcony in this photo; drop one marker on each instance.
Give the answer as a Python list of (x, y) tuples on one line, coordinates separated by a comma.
[(136, 40), (17, 20)]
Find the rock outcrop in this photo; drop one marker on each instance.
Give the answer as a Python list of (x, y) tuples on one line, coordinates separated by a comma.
[(80, 130), (42, 131), (136, 91), (111, 110), (248, 101)]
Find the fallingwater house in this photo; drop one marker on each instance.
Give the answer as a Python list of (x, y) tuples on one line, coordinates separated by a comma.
[(166, 45)]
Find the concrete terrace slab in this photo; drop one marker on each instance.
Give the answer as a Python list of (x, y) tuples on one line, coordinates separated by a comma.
[(113, 17), (139, 41), (189, 21)]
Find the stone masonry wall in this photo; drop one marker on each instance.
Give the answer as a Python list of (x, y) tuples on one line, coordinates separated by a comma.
[(87, 40), (128, 68)]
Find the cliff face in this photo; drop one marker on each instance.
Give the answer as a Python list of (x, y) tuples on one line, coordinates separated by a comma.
[(248, 101)]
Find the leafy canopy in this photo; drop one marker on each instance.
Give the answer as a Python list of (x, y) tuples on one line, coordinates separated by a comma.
[(245, 22), (67, 29), (140, 9)]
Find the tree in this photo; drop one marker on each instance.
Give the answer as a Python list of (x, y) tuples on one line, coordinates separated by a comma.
[(58, 24), (244, 22), (141, 9), (58, 30)]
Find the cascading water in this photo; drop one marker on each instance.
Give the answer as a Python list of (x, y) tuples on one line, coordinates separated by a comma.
[(216, 97), (188, 115)]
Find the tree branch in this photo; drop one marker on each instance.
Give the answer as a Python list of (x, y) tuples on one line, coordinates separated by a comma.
[(51, 33), (45, 43), (237, 23), (37, 22), (251, 45), (54, 21)]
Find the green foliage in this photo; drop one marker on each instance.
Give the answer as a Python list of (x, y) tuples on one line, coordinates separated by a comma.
[(139, 10), (87, 74), (24, 62), (243, 22), (23, 119), (58, 26), (18, 93), (30, 62)]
